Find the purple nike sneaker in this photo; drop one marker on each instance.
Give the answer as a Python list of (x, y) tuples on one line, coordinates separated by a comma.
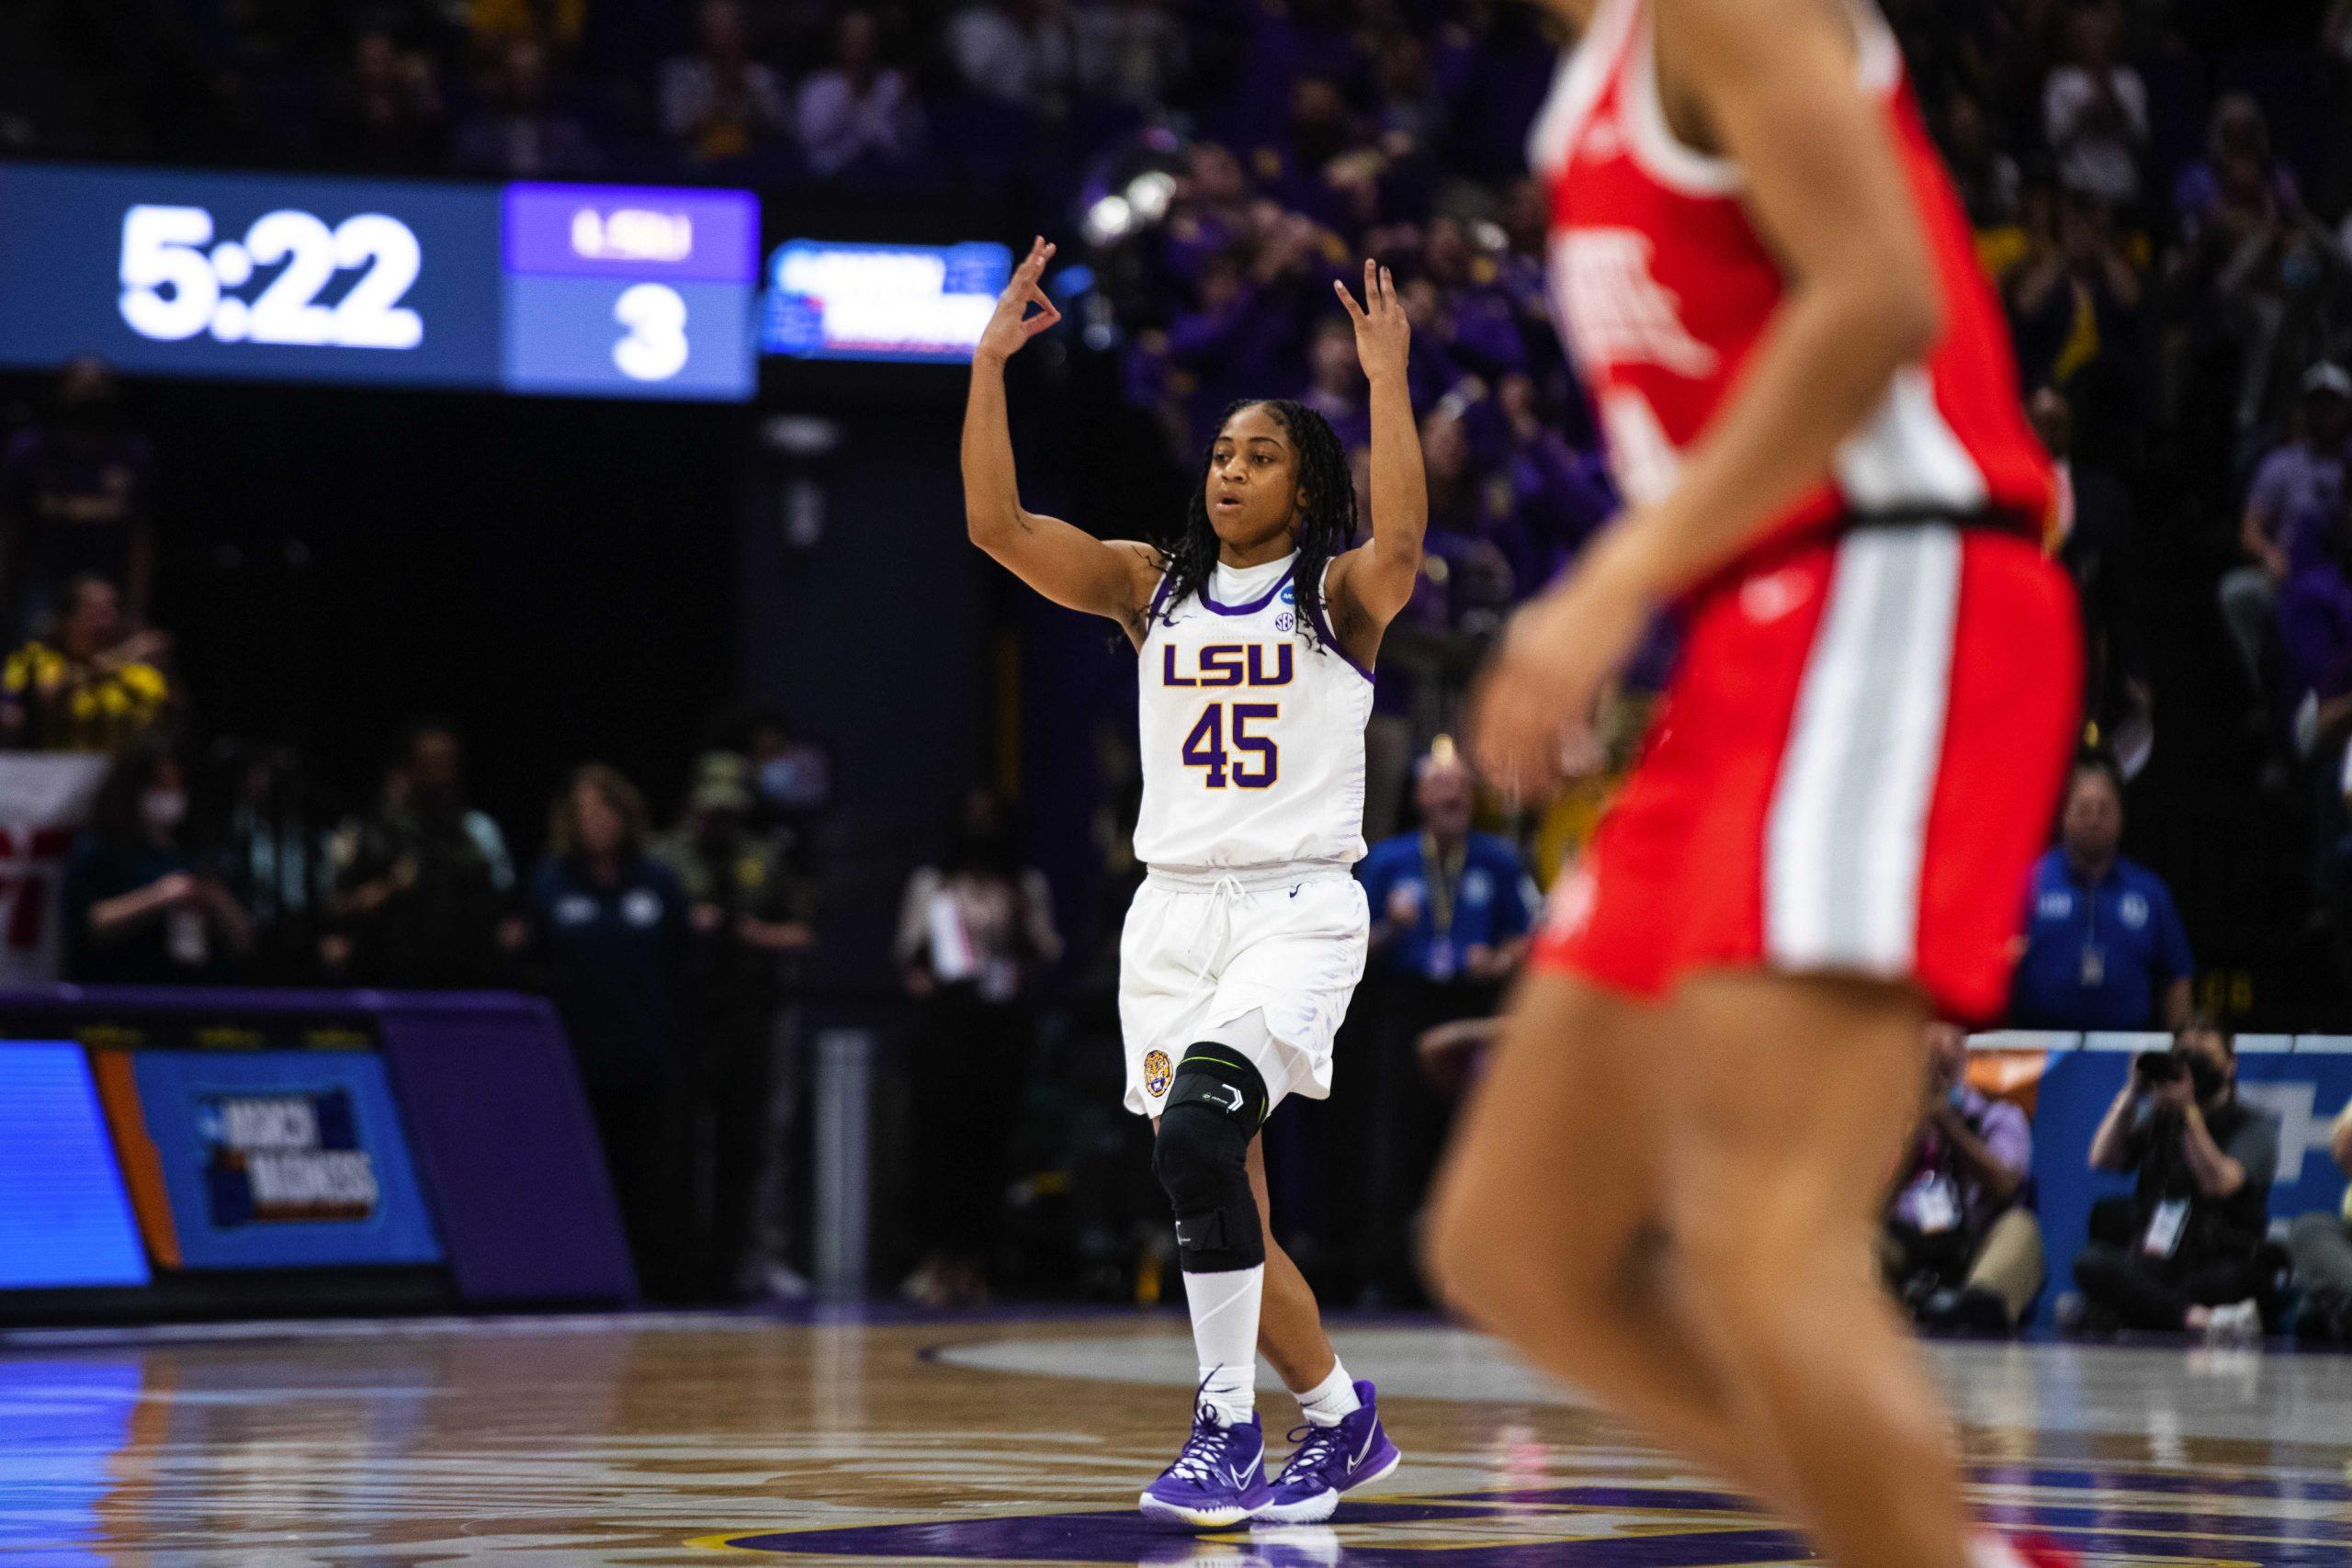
[(1332, 1460), (1218, 1480)]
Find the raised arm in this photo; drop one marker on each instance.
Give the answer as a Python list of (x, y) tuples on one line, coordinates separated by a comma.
[(1775, 85), (1370, 583), (1067, 565), (2110, 1142)]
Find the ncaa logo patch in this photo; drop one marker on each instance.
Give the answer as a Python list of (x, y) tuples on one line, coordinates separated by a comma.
[(1289, 594), (1157, 1073)]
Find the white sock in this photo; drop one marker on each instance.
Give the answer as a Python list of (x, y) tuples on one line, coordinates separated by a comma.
[(1332, 1400), (1224, 1337)]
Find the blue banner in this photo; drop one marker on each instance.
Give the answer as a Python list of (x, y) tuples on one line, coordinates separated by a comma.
[(65, 1219), (285, 1159), (2306, 1088)]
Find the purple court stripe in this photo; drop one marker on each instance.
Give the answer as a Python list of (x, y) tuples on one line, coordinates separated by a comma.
[(2264, 1541), (2244, 1528), (2305, 1488), (1125, 1537)]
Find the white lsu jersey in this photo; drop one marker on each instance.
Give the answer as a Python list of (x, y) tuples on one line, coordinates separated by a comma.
[(1252, 737)]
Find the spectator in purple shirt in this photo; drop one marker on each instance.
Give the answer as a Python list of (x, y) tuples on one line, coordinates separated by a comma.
[(1559, 496), (1334, 383), (1960, 1245), (2316, 628), (1481, 321), (1246, 328), (859, 116), (1434, 371), (2238, 129), (1298, 166), (2296, 494), (1470, 515), (1210, 214), (1287, 41)]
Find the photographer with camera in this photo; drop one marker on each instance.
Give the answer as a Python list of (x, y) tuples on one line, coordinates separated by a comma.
[(2188, 1240), (1959, 1246)]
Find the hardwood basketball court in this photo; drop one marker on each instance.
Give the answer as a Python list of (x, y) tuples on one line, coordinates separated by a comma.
[(694, 1438)]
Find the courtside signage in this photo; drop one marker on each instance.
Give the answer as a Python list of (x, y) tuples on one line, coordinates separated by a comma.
[(283, 1160)]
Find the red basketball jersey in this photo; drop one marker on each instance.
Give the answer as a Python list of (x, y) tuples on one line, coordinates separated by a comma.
[(1663, 287)]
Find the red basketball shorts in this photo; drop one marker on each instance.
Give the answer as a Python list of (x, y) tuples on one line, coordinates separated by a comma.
[(1855, 765)]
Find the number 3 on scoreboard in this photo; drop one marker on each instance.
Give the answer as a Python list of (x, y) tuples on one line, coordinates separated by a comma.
[(655, 347), (1205, 746)]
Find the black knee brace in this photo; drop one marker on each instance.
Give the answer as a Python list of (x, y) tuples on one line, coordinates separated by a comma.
[(1201, 1157)]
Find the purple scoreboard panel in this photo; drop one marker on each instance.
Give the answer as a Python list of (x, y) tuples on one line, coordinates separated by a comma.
[(672, 270)]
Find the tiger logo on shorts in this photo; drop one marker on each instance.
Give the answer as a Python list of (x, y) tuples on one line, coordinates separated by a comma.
[(1157, 1073)]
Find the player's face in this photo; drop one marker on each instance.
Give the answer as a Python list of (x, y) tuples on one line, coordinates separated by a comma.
[(1252, 490)]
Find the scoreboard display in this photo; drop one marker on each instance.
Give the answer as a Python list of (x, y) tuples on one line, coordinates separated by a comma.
[(617, 292)]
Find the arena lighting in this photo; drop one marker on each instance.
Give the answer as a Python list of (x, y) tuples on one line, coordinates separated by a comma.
[(1108, 222), (1144, 201), (1150, 193)]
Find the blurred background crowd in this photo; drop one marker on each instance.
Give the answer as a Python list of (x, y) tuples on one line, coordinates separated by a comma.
[(2161, 195)]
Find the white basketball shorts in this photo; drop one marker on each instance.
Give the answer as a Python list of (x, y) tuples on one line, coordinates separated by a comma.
[(1199, 951)]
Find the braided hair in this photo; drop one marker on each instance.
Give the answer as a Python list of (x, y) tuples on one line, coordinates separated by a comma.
[(1325, 525)]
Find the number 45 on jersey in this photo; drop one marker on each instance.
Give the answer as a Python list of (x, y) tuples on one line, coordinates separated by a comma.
[(1221, 743)]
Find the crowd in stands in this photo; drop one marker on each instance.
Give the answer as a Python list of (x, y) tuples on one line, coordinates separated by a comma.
[(2160, 193), (673, 957)]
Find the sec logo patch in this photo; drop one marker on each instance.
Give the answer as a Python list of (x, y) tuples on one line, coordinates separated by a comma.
[(1157, 1073)]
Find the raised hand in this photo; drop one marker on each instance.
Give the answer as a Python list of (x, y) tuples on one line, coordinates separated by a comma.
[(1011, 326), (1383, 335), (1531, 712)]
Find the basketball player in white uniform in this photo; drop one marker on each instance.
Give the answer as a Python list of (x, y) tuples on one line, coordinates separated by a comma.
[(1256, 629)]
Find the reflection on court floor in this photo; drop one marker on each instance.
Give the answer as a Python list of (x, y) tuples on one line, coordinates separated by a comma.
[(693, 1438)]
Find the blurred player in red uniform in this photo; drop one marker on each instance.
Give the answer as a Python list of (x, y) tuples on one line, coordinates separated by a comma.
[(1666, 1189)]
